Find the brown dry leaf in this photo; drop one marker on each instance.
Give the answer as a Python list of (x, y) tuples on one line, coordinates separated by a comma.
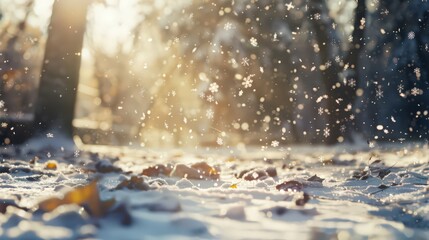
[(158, 169), (134, 183), (302, 200), (290, 186), (86, 196), (315, 178)]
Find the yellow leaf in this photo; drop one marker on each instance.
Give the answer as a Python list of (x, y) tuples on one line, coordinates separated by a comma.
[(51, 165), (234, 186)]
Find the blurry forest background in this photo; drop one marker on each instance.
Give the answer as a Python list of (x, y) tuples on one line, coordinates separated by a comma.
[(266, 72)]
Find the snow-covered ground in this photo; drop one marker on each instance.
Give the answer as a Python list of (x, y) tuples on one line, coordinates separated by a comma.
[(340, 192)]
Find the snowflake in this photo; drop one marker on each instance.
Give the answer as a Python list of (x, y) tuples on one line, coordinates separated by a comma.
[(49, 135), (275, 143), (76, 153), (209, 114), (253, 42), (411, 35), (213, 87), (219, 141), (275, 39), (202, 95), (343, 128), (416, 91), (400, 87), (418, 73), (317, 16), (4, 125), (337, 59), (352, 117), (173, 93), (247, 81), (352, 82), (210, 98), (289, 6), (320, 111), (328, 64), (379, 93), (227, 26), (1, 103), (48, 155), (326, 132), (240, 93), (245, 61)]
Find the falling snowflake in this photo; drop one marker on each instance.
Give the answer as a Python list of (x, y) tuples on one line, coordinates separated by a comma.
[(4, 125), (1, 103), (76, 153), (275, 38), (343, 128), (240, 93), (317, 16), (214, 87), (411, 35), (352, 117), (337, 59), (275, 143), (210, 98), (227, 26), (209, 114), (418, 73), (219, 141), (247, 81), (328, 64), (253, 42), (245, 61), (400, 87), (202, 95), (379, 93), (320, 111), (326, 132), (289, 6), (49, 155), (416, 91), (49, 135), (351, 82)]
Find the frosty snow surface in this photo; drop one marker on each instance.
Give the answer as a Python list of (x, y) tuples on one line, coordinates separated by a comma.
[(357, 194)]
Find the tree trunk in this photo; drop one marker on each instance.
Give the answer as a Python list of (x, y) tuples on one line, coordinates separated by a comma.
[(60, 72)]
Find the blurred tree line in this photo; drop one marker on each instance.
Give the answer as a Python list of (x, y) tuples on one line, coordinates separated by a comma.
[(258, 71)]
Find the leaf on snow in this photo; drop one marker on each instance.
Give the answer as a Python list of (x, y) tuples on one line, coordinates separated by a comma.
[(134, 183), (158, 169), (86, 196), (290, 186), (315, 178), (302, 201)]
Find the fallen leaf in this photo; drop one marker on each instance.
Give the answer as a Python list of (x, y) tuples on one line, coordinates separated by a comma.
[(290, 186), (158, 169), (315, 178), (86, 196), (51, 165), (302, 201), (233, 186), (134, 183), (197, 171)]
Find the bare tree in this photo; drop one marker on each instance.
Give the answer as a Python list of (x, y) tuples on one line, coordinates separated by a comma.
[(60, 72)]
